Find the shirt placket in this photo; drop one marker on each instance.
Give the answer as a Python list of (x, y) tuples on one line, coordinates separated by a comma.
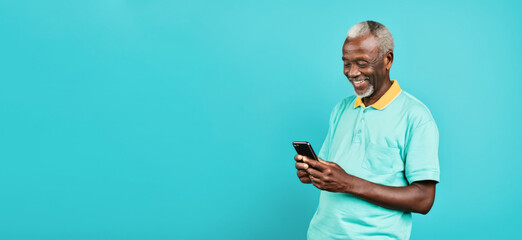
[(360, 126)]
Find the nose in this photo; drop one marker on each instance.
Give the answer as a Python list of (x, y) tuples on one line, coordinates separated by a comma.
[(352, 71)]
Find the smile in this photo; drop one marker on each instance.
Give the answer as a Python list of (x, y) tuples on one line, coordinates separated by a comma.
[(358, 81)]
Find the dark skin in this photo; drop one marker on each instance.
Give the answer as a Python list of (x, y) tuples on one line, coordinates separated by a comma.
[(362, 61)]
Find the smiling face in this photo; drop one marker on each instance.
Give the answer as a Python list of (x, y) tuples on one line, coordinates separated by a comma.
[(365, 68)]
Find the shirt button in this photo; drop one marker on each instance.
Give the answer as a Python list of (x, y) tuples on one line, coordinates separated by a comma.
[(359, 131), (362, 120), (364, 110)]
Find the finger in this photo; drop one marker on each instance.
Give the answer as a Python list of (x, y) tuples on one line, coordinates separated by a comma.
[(326, 162), (302, 173), (305, 180), (314, 163), (314, 173), (298, 157), (317, 183), (301, 165)]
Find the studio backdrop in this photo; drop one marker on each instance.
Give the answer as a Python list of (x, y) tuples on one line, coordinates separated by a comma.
[(126, 119)]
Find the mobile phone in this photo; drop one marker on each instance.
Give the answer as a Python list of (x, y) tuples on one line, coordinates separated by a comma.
[(304, 148)]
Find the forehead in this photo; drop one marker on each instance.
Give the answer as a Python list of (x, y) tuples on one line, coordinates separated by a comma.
[(365, 46)]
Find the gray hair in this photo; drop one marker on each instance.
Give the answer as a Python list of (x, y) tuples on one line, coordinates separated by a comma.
[(381, 32)]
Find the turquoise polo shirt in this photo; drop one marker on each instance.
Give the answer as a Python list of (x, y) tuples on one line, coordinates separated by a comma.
[(393, 142)]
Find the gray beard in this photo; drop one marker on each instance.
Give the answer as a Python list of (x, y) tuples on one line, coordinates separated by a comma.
[(368, 92)]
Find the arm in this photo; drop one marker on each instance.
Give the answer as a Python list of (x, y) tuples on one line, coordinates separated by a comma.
[(417, 197)]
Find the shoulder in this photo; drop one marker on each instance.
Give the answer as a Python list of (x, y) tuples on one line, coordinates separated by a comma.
[(347, 101), (416, 111), (341, 106)]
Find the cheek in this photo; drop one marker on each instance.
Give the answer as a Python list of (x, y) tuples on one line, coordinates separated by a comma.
[(369, 72)]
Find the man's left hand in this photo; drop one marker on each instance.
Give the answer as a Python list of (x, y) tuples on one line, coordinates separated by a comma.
[(328, 176)]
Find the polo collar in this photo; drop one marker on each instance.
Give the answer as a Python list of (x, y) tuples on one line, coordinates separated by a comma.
[(386, 99)]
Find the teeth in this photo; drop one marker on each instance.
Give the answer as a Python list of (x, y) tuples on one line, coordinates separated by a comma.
[(360, 81)]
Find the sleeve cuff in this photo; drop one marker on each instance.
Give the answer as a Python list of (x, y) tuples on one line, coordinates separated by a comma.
[(423, 175)]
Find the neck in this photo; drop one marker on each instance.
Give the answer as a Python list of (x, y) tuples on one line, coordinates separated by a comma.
[(378, 93)]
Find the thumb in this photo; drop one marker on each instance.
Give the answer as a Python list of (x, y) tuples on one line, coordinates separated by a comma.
[(326, 162)]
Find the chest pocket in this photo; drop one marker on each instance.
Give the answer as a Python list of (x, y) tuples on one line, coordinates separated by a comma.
[(382, 160)]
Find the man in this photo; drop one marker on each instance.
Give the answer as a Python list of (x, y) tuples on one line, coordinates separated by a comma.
[(379, 161)]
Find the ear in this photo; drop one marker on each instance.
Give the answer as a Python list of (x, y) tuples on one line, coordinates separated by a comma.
[(388, 60)]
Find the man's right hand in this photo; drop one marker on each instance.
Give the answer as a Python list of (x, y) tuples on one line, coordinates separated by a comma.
[(301, 167)]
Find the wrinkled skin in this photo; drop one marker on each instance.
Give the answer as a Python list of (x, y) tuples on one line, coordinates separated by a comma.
[(361, 59)]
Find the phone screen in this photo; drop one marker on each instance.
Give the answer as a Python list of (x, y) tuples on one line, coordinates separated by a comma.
[(304, 148)]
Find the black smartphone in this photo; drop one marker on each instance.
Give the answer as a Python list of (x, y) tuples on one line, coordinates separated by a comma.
[(304, 148)]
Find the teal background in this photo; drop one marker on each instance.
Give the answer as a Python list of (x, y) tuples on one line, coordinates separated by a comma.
[(174, 119)]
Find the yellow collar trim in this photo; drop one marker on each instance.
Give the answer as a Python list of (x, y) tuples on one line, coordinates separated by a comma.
[(386, 99)]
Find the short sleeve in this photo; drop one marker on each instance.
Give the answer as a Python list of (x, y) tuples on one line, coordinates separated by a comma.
[(422, 160)]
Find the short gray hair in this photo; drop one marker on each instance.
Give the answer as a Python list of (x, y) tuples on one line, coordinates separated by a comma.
[(381, 32)]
